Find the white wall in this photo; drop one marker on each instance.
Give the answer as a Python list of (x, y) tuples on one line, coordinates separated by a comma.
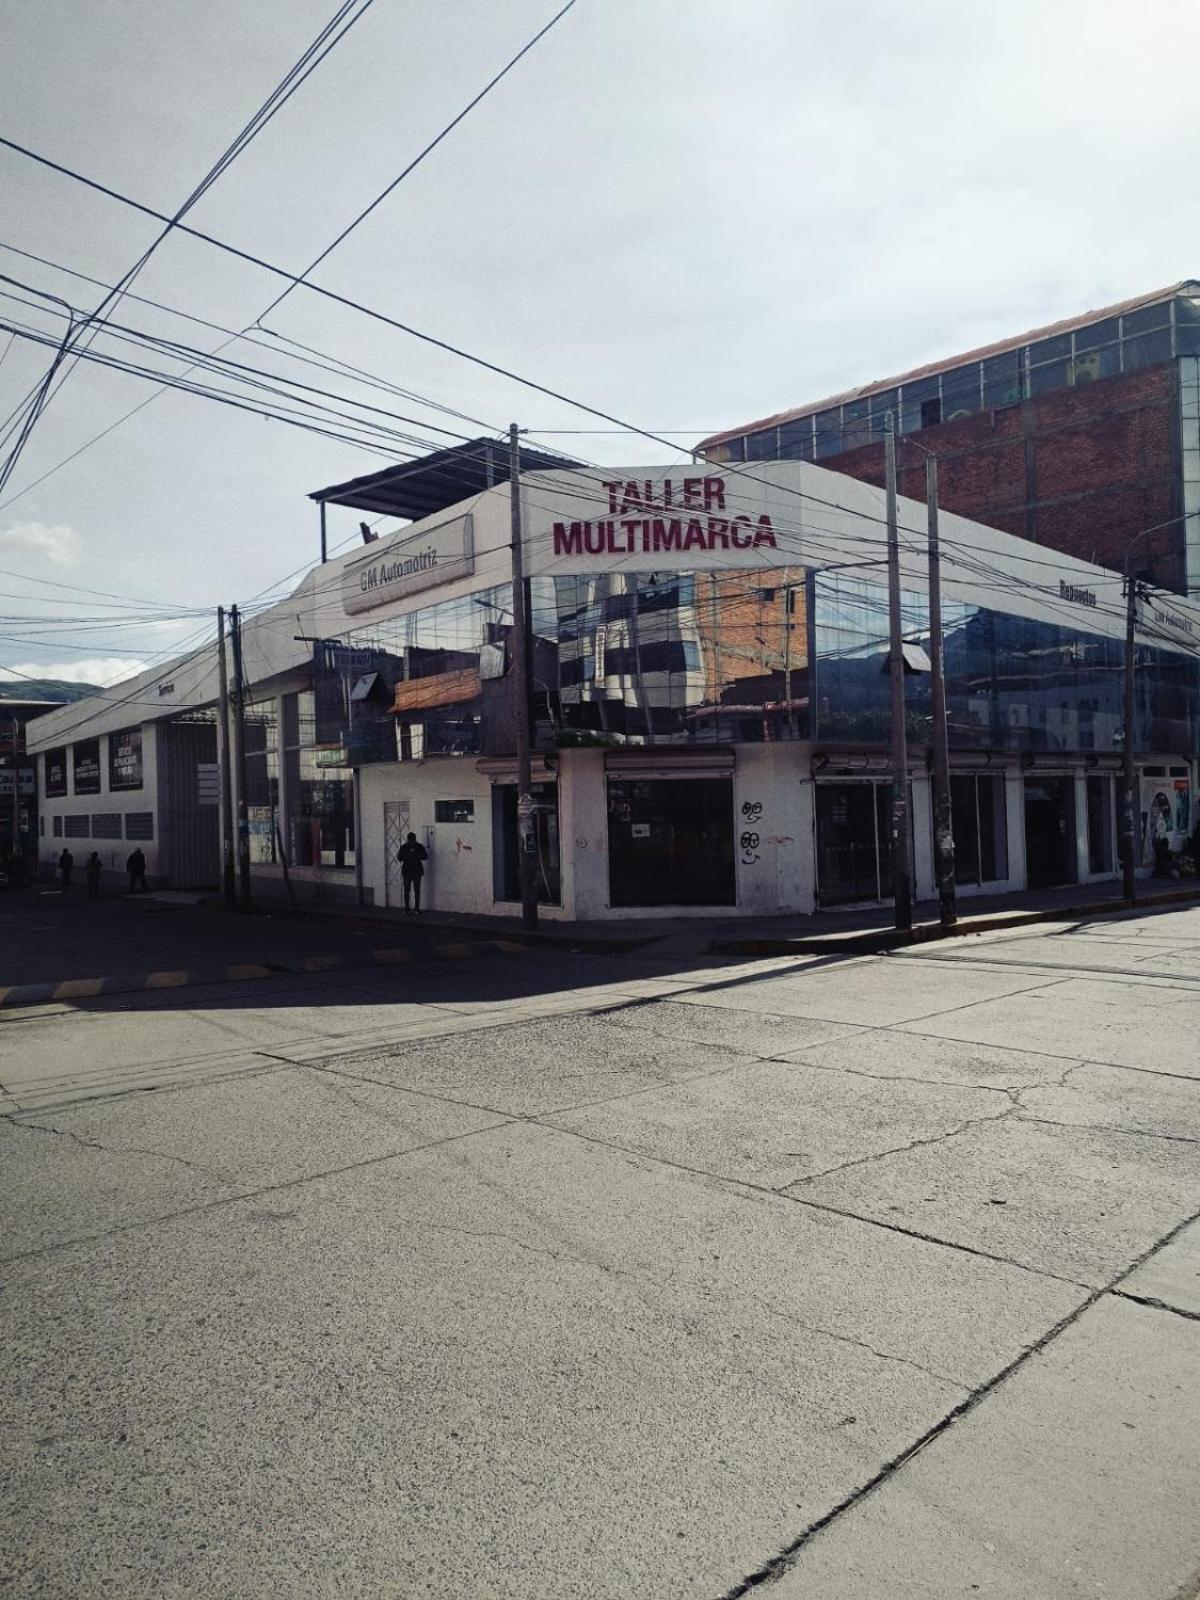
[(112, 852)]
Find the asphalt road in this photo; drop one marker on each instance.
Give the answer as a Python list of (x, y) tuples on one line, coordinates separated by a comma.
[(558, 1276)]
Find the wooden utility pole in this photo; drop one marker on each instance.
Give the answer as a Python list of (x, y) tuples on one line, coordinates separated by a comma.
[(227, 886), (943, 810), (526, 822), (239, 759), (901, 823)]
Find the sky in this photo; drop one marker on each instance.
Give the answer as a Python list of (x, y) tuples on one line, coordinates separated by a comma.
[(686, 216)]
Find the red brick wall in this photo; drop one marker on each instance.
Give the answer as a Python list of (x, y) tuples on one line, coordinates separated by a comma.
[(1079, 470)]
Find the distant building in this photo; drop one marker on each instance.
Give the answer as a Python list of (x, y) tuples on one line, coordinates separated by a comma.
[(18, 776), (1078, 436)]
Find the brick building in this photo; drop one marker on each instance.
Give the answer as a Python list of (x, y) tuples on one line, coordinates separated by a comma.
[(1078, 436)]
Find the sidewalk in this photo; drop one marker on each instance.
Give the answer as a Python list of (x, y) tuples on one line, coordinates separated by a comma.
[(856, 930)]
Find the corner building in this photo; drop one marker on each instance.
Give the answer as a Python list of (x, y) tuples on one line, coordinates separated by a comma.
[(709, 697)]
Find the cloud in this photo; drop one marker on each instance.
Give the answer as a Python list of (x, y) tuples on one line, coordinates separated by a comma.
[(104, 670), (59, 544)]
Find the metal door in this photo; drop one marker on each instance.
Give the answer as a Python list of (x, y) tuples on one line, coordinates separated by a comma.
[(396, 827)]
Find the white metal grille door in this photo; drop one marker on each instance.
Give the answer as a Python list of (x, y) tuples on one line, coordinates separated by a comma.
[(396, 826)]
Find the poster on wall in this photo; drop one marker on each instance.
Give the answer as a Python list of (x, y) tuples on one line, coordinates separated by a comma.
[(125, 759), (1166, 814), (87, 767), (56, 773)]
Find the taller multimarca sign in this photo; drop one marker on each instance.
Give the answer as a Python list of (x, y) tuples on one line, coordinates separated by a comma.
[(433, 557)]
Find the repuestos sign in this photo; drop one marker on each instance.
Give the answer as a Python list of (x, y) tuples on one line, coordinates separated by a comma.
[(435, 556)]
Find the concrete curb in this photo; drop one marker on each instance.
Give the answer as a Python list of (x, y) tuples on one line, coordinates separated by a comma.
[(870, 941), (35, 994)]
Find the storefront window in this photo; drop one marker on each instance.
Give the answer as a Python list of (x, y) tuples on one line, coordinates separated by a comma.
[(980, 822), (320, 791), (671, 842), (854, 844)]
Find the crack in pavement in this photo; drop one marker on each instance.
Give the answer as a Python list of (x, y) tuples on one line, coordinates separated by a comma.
[(775, 1566), (1153, 1303), (25, 1122), (900, 1149)]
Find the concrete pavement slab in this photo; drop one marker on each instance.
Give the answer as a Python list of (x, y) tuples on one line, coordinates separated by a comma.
[(888, 1053), (1077, 1478), (775, 1122), (460, 1372), (1115, 1097), (758, 1034), (1116, 1024), (147, 1155), (1072, 1201), (1172, 1276), (539, 1066), (871, 990)]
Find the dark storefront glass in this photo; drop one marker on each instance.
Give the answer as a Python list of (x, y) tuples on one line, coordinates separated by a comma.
[(1100, 824), (1050, 831), (980, 822), (854, 842), (262, 780), (671, 842), (320, 790)]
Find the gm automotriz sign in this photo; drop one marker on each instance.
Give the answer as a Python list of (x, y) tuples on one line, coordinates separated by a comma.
[(400, 567)]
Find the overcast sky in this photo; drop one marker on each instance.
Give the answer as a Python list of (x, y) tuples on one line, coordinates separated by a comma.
[(689, 215)]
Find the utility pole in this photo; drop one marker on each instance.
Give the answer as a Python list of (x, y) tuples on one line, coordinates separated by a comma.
[(239, 758), (227, 886), (943, 811), (1129, 806), (17, 863), (526, 834), (901, 828)]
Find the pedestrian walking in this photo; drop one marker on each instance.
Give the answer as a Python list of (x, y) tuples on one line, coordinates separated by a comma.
[(136, 868), (65, 862), (412, 857), (91, 871)]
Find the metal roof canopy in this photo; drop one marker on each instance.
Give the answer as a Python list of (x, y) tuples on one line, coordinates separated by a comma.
[(416, 489)]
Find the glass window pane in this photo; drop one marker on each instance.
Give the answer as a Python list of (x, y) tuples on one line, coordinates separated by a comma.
[(761, 446), (960, 392), (1187, 309), (1187, 339), (1053, 375), (881, 404), (796, 440), (1055, 349), (1106, 332), (965, 823), (829, 432), (1089, 365), (1001, 380), (915, 397), (1149, 350), (1146, 318), (855, 425)]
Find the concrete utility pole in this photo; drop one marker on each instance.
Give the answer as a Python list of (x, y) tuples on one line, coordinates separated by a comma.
[(526, 827), (901, 824), (943, 810), (16, 811), (1129, 805), (227, 886), (239, 758)]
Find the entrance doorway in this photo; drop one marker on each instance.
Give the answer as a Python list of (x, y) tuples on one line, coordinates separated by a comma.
[(854, 842), (1049, 832), (1101, 827), (670, 842), (397, 816)]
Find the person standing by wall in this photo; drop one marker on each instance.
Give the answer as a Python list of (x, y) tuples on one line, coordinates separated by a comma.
[(412, 857), (136, 868), (91, 872), (65, 862)]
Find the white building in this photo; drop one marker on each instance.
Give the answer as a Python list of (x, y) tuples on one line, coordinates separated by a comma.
[(709, 702)]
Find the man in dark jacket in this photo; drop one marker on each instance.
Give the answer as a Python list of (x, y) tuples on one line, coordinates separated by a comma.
[(65, 862), (412, 857), (136, 868)]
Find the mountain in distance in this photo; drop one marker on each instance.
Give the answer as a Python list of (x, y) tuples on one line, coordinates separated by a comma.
[(56, 689)]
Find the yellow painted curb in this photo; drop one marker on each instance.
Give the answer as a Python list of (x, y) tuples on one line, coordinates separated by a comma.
[(167, 980), (77, 989)]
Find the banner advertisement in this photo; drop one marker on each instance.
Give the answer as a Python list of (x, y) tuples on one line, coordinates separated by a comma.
[(56, 772), (87, 767), (125, 759)]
